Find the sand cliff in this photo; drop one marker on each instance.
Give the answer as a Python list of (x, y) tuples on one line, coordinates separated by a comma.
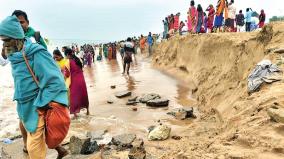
[(232, 123)]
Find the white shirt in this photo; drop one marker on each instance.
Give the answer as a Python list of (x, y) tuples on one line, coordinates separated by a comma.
[(3, 62), (81, 54), (232, 11)]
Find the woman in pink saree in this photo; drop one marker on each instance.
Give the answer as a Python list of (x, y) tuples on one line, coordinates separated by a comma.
[(191, 18), (78, 89), (211, 13)]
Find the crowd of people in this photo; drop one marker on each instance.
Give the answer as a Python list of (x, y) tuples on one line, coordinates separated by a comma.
[(44, 85), (59, 78), (87, 52), (222, 18)]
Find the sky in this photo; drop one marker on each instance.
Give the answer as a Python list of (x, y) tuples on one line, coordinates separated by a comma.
[(110, 20)]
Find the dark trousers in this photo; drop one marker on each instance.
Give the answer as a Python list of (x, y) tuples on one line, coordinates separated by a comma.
[(248, 26)]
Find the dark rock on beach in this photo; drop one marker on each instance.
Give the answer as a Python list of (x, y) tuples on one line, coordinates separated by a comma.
[(123, 94), (148, 97), (76, 144), (110, 101), (89, 147), (124, 140), (158, 103), (182, 113), (131, 103)]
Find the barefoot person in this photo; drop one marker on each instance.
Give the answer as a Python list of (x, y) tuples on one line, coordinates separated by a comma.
[(129, 50), (32, 98), (34, 37), (78, 89)]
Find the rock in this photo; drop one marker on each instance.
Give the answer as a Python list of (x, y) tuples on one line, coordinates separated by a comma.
[(148, 97), (161, 132), (109, 101), (124, 140), (112, 117), (158, 103), (123, 94), (4, 154), (137, 153), (134, 109), (176, 137), (182, 113), (131, 103), (133, 99), (279, 51), (96, 135), (113, 87), (89, 147), (138, 143), (276, 114), (76, 144)]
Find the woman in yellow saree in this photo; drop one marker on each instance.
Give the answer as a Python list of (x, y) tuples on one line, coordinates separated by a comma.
[(64, 66)]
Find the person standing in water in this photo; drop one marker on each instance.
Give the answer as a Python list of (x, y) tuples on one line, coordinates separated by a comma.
[(64, 65), (127, 59), (35, 38), (150, 42), (142, 43), (78, 90)]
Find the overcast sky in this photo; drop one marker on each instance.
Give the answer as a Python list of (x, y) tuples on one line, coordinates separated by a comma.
[(107, 20)]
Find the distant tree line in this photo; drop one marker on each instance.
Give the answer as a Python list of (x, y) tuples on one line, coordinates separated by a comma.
[(276, 18)]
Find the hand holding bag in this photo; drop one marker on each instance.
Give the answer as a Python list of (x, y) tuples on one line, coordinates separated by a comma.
[(57, 118)]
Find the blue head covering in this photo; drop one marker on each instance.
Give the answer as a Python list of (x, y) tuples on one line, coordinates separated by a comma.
[(11, 27)]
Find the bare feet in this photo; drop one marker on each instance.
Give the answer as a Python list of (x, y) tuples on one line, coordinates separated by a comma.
[(62, 152), (74, 117), (88, 112), (25, 149)]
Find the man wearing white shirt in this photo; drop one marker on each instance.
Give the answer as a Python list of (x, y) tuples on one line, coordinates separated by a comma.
[(230, 22)]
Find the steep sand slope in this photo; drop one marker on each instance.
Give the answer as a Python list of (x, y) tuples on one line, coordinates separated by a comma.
[(232, 124)]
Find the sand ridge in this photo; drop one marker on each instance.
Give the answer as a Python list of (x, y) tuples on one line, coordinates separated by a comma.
[(233, 124)]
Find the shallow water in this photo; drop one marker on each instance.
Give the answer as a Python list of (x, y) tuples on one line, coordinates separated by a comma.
[(8, 118), (117, 118)]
